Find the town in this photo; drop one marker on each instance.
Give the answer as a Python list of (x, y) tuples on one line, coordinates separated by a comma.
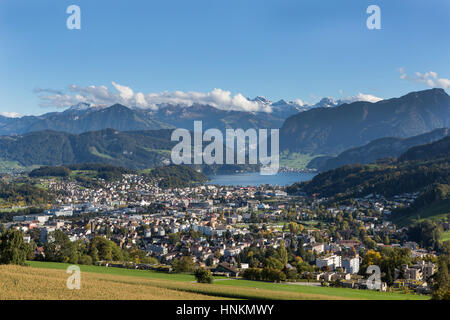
[(255, 233)]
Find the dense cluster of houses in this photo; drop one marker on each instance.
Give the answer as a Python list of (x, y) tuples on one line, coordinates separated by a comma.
[(213, 223)]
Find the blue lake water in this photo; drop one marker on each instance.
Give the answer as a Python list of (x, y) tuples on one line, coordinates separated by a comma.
[(255, 179)]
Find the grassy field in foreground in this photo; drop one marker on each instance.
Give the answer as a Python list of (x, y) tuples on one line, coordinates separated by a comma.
[(342, 293), (30, 283), (26, 283), (117, 271), (242, 289)]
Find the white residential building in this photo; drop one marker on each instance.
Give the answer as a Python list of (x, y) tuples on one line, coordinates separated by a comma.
[(332, 261), (351, 265)]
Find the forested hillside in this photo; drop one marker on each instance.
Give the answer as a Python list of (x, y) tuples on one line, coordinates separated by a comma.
[(424, 169)]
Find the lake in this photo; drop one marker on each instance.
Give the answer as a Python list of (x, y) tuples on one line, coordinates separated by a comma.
[(255, 179)]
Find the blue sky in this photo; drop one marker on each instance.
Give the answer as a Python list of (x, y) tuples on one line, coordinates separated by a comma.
[(290, 49)]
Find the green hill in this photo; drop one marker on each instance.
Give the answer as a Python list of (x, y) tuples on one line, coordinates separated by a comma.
[(177, 176), (378, 149), (434, 150), (424, 169), (432, 204), (134, 150)]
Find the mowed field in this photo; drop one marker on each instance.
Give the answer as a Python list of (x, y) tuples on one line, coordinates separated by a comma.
[(42, 280)]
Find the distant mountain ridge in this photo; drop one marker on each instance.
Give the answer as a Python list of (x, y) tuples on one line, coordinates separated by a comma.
[(389, 147), (79, 120), (183, 117), (285, 109), (330, 131), (83, 118), (327, 128), (131, 149)]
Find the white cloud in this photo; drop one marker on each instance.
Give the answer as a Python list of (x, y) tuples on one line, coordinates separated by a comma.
[(430, 79), (10, 114), (367, 97), (103, 96), (126, 93), (300, 102), (362, 97)]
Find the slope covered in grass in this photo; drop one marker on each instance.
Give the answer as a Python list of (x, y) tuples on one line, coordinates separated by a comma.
[(230, 288), (26, 283)]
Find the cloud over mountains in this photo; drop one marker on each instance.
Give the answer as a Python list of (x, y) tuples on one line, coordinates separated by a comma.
[(221, 99), (362, 97), (103, 96), (431, 79), (10, 114)]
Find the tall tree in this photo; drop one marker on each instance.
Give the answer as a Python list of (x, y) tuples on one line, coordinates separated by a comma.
[(184, 264), (283, 253), (13, 248), (441, 280), (59, 248)]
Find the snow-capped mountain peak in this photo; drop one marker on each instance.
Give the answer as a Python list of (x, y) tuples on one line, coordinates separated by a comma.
[(80, 106), (262, 100), (326, 102)]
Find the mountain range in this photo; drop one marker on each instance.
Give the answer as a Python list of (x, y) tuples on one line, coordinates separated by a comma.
[(83, 117), (136, 138), (79, 120), (330, 131), (129, 149)]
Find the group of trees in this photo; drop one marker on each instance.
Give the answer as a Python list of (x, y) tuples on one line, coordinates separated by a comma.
[(59, 248), (426, 233), (103, 171), (23, 194), (292, 260), (176, 176), (183, 265), (391, 260), (203, 275), (441, 286), (293, 228), (388, 259), (47, 171), (265, 274)]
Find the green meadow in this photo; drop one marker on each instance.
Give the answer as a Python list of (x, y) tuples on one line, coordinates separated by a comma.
[(243, 289)]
